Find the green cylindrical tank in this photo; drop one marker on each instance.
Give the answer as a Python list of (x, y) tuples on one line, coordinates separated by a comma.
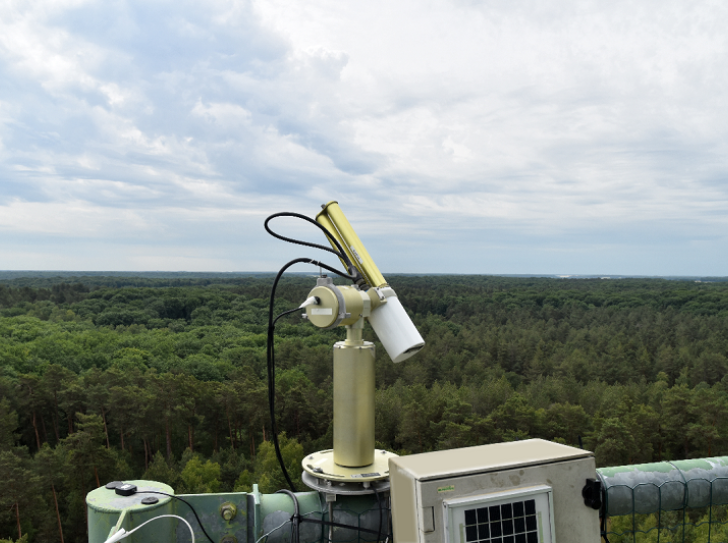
[(107, 510)]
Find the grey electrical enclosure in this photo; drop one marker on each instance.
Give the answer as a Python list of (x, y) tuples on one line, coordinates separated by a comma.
[(518, 492)]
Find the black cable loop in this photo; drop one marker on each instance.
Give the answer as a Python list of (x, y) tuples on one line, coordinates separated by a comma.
[(296, 518), (340, 253)]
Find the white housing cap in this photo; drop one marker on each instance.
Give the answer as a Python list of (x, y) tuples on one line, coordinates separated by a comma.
[(394, 328)]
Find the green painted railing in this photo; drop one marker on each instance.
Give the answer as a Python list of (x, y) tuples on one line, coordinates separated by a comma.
[(685, 501)]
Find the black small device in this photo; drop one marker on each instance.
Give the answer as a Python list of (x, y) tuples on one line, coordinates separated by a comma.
[(592, 493), (126, 489)]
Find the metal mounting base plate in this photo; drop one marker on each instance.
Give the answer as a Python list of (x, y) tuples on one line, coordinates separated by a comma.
[(321, 466), (342, 488)]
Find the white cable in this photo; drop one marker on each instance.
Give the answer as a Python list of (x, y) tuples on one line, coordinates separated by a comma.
[(273, 530), (311, 300), (121, 534)]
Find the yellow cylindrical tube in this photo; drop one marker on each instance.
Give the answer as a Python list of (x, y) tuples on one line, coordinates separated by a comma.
[(323, 219), (353, 245), (353, 401)]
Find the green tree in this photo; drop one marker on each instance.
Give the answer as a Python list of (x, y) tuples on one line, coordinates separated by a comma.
[(97, 394), (568, 422), (160, 470), (18, 484), (189, 408), (165, 389), (49, 464), (23, 539), (709, 411), (614, 444), (677, 402), (53, 378), (72, 399), (8, 426), (200, 477), (267, 469), (31, 399), (421, 407), (244, 483), (87, 450), (516, 419)]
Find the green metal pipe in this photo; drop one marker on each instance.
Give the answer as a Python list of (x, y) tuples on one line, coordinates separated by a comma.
[(230, 518)]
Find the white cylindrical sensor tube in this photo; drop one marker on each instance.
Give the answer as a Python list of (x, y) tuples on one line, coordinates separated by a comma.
[(395, 329)]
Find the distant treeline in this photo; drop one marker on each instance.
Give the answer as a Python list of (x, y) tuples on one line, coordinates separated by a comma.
[(167, 381), (95, 279)]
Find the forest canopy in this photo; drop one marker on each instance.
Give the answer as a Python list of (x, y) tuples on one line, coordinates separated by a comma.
[(163, 378)]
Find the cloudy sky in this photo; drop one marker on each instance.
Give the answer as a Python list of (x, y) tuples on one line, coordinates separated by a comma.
[(464, 136)]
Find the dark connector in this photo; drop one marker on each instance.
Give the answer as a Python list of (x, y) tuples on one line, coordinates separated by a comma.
[(592, 493), (126, 489)]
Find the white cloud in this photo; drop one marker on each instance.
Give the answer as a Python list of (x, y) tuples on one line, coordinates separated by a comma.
[(428, 118)]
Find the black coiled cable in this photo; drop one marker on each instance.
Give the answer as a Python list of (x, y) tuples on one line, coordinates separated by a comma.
[(270, 355), (353, 275), (353, 272)]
